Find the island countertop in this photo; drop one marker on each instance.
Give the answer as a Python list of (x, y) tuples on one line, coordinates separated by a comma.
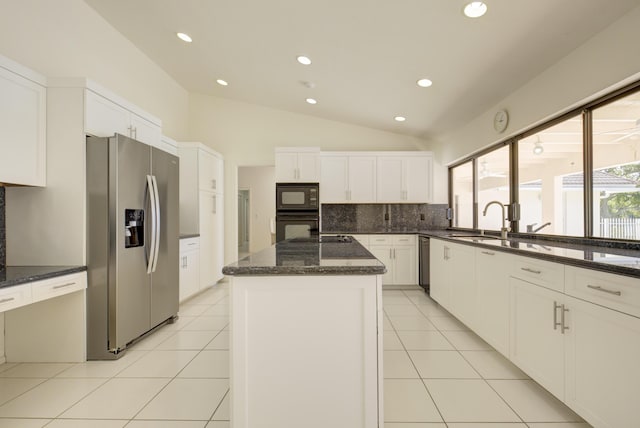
[(323, 256)]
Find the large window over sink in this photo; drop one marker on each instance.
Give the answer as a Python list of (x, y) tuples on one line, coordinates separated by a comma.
[(576, 175)]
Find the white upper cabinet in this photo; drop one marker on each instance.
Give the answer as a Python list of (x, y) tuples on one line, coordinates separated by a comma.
[(347, 178), (404, 178), (105, 117), (297, 164), (22, 125), (210, 169)]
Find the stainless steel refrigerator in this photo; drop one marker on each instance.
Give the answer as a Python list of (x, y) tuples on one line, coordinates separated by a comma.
[(132, 242)]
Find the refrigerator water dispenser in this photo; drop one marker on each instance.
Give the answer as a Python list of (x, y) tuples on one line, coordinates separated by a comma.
[(134, 228)]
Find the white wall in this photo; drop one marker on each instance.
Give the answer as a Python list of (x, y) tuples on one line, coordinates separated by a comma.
[(66, 38), (606, 61), (260, 181)]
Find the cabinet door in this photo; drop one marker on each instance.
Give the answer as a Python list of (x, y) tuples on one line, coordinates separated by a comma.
[(440, 290), (535, 345), (286, 167), (207, 208), (602, 374), (22, 130), (189, 274), (404, 260), (218, 237), (105, 118), (417, 179), (389, 179), (492, 285), (362, 179), (207, 175), (308, 167), (463, 283), (145, 131), (384, 253), (333, 179)]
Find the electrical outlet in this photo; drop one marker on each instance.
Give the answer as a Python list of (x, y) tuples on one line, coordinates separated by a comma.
[(386, 216), (422, 216)]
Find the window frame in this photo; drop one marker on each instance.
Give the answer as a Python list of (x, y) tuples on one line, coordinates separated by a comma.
[(585, 112)]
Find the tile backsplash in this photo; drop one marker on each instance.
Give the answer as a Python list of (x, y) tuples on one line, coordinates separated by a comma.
[(372, 218), (3, 239)]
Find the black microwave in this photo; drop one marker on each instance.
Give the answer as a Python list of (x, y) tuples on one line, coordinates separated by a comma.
[(297, 197)]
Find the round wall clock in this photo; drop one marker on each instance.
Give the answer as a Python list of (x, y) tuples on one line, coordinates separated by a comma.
[(501, 120)]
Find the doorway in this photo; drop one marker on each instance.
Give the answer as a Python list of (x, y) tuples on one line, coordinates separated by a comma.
[(244, 210)]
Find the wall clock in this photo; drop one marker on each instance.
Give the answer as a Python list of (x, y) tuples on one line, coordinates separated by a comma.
[(501, 120)]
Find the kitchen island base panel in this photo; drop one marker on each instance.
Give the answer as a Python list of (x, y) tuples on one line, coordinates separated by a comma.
[(305, 351)]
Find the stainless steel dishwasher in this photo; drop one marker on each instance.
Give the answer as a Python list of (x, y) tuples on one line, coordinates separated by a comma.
[(423, 251)]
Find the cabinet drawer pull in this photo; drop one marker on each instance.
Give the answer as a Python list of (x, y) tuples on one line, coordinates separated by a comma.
[(55, 287), (488, 253), (604, 290), (556, 324), (8, 299), (193, 243), (537, 272)]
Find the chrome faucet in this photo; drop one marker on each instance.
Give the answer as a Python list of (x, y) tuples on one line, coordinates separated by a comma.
[(530, 228), (504, 229)]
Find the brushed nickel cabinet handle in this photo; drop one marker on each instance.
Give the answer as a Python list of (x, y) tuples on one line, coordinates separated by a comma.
[(563, 326), (556, 306), (604, 290), (55, 287), (488, 253), (8, 299), (537, 272)]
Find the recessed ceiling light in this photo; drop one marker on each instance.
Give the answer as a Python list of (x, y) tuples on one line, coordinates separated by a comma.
[(222, 82), (311, 101), (400, 118), (304, 60), (184, 37), (475, 9), (424, 83)]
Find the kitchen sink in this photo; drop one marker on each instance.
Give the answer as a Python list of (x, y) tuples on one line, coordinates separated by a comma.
[(473, 237)]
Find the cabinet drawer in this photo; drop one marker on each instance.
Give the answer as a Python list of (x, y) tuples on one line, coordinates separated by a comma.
[(404, 239), (380, 240), (540, 272), (48, 288), (14, 297), (188, 244), (609, 290)]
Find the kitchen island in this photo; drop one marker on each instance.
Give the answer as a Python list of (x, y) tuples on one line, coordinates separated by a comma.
[(306, 336)]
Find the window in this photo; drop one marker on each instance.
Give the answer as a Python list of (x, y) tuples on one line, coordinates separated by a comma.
[(542, 172), (616, 169), (551, 180), (462, 195), (493, 185)]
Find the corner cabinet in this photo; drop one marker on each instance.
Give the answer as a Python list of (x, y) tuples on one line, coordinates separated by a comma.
[(23, 125), (297, 164), (398, 254), (202, 206)]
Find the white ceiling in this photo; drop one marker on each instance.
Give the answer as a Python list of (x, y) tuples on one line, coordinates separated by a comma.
[(367, 54)]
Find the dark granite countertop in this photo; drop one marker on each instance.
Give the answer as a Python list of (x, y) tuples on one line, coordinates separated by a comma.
[(189, 235), (16, 275), (308, 257)]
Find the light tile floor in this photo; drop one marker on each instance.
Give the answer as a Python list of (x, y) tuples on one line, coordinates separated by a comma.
[(437, 374)]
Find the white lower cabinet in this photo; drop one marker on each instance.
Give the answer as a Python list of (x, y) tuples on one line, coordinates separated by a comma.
[(492, 290), (575, 331), (398, 254), (537, 339), (189, 267), (453, 278)]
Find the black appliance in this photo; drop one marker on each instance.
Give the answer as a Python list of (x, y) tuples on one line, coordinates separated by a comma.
[(297, 211), (423, 251), (297, 197), (297, 225)]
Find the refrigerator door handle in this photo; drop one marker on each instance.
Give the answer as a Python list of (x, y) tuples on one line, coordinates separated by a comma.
[(152, 245), (158, 223)]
